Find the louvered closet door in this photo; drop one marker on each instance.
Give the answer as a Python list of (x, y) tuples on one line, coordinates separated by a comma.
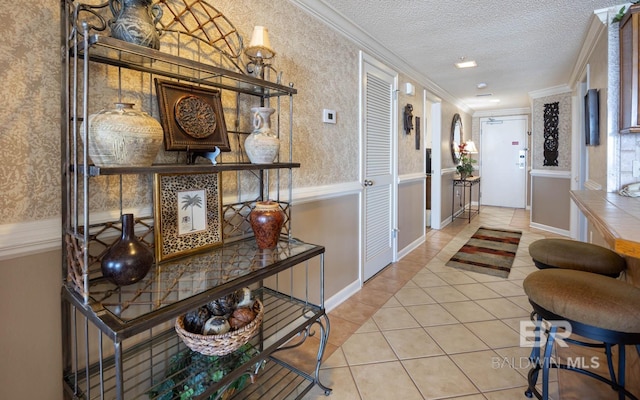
[(378, 169)]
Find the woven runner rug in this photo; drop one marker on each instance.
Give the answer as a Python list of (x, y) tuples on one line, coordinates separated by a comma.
[(489, 251)]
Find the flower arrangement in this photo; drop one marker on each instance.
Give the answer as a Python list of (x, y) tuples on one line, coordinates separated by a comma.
[(465, 166)]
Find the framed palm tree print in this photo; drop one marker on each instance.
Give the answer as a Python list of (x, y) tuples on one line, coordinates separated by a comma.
[(187, 210)]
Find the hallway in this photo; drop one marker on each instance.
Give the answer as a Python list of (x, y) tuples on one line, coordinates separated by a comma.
[(420, 329)]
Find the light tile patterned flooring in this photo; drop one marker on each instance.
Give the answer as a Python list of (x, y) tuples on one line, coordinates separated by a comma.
[(422, 330)]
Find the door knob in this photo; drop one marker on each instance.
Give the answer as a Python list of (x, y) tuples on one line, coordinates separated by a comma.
[(368, 182)]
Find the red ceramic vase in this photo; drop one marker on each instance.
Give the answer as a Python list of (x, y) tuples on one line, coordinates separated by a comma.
[(266, 220)]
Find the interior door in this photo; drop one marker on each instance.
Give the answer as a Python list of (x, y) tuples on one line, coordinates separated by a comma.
[(378, 138), (503, 161)]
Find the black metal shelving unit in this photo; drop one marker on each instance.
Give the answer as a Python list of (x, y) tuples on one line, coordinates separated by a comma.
[(119, 342)]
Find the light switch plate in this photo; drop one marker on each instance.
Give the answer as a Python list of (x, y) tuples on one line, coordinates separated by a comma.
[(329, 116)]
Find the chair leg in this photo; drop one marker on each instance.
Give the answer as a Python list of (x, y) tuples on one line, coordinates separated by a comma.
[(547, 362), (612, 372), (621, 372), (534, 357)]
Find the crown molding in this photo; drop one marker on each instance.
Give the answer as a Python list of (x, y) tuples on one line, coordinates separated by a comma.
[(552, 91), (597, 28), (343, 25)]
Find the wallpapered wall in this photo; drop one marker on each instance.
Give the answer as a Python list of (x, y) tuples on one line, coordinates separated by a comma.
[(30, 116), (410, 160), (564, 132), (326, 77)]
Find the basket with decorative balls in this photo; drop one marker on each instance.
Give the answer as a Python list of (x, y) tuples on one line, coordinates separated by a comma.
[(222, 325)]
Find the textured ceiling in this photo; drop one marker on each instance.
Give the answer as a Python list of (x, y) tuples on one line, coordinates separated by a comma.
[(520, 45)]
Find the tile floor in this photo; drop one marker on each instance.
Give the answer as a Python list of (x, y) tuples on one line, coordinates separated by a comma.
[(422, 330)]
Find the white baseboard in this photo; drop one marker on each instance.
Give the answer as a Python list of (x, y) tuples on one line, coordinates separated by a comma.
[(338, 298), (412, 246), (552, 229)]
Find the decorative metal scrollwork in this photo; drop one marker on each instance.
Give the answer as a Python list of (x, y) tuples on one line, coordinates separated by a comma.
[(200, 20), (551, 132)]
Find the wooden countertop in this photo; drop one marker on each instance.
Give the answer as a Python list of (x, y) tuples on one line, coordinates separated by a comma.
[(616, 217)]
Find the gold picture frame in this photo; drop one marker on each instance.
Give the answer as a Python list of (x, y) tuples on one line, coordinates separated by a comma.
[(191, 116), (188, 213)]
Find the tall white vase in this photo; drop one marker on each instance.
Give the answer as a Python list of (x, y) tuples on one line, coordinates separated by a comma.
[(262, 145)]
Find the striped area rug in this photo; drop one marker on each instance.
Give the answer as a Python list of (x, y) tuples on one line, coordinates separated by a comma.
[(489, 251)]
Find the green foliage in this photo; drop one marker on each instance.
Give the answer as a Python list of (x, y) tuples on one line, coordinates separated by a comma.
[(619, 15), (622, 11), (190, 374), (466, 165)]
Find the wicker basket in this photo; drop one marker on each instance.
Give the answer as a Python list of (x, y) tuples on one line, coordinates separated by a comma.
[(220, 345)]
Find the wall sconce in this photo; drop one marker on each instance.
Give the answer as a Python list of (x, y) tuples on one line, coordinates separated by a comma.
[(258, 51), (407, 119)]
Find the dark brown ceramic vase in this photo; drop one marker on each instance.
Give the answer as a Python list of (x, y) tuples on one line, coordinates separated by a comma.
[(128, 261), (266, 220)]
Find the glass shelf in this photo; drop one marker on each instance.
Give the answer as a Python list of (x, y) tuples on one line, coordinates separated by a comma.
[(173, 288), (107, 50)]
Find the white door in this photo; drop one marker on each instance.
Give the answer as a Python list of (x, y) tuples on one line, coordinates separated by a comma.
[(503, 161), (378, 169)]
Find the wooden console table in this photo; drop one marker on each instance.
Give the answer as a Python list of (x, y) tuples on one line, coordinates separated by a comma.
[(469, 182), (616, 217)]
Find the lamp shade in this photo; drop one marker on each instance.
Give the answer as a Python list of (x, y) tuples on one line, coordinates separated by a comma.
[(470, 147), (259, 46)]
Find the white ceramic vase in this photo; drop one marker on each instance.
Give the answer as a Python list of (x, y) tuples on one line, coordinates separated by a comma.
[(124, 137), (262, 145)]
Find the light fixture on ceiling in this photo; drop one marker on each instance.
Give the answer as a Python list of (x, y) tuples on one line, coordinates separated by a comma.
[(259, 50), (481, 85), (484, 94), (465, 64)]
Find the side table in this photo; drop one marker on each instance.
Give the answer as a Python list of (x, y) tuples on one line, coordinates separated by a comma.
[(467, 211)]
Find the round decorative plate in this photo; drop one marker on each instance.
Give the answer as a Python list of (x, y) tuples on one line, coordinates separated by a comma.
[(196, 117)]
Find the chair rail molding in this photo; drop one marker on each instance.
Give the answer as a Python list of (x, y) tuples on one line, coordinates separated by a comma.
[(414, 177), (25, 238), (547, 173)]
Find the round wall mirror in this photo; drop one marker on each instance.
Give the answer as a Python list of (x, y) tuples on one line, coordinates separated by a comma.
[(456, 137)]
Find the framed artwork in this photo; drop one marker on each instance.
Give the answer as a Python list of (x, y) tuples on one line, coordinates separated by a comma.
[(187, 213), (191, 117)]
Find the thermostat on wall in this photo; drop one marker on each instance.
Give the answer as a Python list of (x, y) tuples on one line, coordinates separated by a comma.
[(329, 116)]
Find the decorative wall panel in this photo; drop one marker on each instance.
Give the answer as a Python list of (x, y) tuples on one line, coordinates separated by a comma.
[(550, 143), (563, 132)]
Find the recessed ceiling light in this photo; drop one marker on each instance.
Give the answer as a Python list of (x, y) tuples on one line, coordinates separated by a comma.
[(465, 64), (481, 85)]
